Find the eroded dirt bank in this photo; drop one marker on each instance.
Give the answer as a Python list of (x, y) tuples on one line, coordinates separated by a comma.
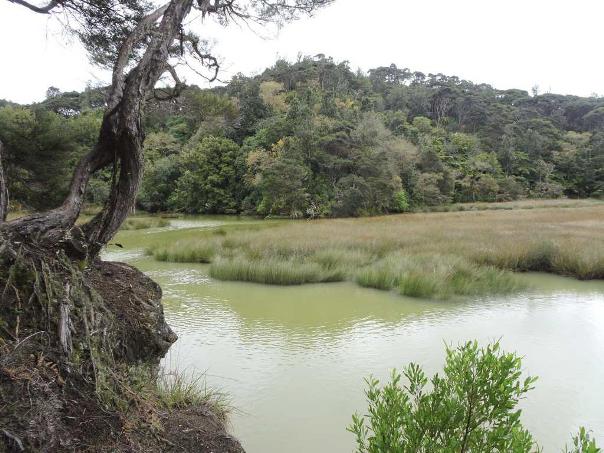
[(79, 353)]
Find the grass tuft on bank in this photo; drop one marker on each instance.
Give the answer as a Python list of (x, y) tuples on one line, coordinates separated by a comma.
[(568, 258), (179, 389)]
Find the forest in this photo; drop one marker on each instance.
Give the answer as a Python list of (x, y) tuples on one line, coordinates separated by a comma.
[(314, 138), (156, 331)]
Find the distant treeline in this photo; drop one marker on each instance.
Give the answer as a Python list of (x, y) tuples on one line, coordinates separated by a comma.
[(314, 138)]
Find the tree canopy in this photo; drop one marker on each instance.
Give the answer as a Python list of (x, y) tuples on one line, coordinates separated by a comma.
[(313, 138)]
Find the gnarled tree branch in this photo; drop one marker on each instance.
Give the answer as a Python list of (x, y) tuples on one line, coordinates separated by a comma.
[(169, 93), (206, 59), (126, 129), (125, 52), (46, 9)]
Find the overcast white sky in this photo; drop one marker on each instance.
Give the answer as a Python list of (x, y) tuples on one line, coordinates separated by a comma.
[(506, 43)]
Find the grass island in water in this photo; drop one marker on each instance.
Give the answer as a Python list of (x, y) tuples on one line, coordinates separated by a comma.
[(431, 255)]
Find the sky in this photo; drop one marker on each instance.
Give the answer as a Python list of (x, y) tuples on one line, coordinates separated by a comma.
[(556, 45)]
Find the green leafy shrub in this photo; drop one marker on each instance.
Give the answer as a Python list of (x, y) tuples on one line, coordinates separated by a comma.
[(401, 201), (583, 443), (471, 407)]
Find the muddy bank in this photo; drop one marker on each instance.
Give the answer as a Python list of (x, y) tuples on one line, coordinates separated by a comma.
[(79, 353)]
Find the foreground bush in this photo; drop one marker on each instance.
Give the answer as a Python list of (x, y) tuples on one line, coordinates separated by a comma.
[(472, 407)]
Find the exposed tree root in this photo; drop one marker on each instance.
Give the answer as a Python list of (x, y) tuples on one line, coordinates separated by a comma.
[(79, 352)]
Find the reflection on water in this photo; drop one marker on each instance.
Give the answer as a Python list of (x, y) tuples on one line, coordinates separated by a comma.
[(293, 359)]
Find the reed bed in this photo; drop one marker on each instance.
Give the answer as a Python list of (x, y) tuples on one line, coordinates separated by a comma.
[(432, 255), (436, 276), (144, 223), (190, 251), (273, 272)]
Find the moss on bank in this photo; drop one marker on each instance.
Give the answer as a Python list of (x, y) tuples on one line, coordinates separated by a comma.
[(79, 354)]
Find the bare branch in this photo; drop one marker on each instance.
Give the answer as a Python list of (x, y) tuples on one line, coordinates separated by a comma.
[(169, 93), (259, 11), (38, 9), (192, 43)]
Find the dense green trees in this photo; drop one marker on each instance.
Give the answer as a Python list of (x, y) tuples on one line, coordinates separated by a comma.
[(211, 179), (41, 147), (313, 138)]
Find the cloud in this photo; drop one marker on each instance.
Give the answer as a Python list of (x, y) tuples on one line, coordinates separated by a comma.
[(508, 44)]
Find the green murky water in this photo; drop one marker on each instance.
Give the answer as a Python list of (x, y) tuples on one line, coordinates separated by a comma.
[(293, 359)]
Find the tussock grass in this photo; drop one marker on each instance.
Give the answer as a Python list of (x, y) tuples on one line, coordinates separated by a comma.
[(185, 252), (574, 259), (435, 255), (180, 390), (330, 259), (145, 223), (436, 277), (378, 277), (276, 272)]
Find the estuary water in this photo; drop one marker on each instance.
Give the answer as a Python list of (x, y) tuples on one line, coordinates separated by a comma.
[(293, 359)]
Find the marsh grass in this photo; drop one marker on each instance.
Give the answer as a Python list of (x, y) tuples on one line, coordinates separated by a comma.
[(512, 205), (275, 272), (351, 259), (144, 223), (185, 252), (436, 277), (435, 255), (569, 258)]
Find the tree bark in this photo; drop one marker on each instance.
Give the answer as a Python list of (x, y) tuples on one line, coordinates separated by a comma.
[(129, 135), (120, 139), (3, 191)]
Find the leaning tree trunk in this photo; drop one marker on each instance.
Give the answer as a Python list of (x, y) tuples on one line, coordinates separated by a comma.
[(120, 139), (3, 191)]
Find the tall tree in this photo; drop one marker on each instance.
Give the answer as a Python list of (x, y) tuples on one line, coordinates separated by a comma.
[(140, 45)]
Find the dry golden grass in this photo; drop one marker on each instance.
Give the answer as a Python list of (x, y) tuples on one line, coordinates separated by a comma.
[(578, 230), (535, 203), (425, 255)]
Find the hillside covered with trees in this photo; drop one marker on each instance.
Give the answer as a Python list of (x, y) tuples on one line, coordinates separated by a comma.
[(314, 138)]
